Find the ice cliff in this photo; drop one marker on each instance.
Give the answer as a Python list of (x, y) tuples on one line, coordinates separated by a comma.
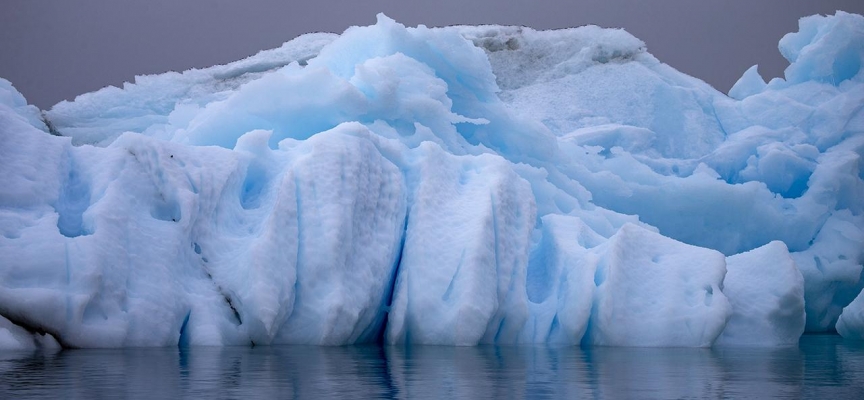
[(457, 186)]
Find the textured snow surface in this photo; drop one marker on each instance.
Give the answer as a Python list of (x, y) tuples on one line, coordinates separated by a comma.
[(766, 290), (851, 321), (454, 186)]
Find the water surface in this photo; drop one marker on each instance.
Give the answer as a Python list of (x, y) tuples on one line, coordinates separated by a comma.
[(822, 366)]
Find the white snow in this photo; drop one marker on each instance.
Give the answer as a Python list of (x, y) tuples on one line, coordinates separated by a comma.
[(462, 276), (454, 186), (655, 291), (851, 322), (766, 291)]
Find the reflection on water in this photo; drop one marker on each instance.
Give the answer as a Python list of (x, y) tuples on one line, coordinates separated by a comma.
[(821, 367)]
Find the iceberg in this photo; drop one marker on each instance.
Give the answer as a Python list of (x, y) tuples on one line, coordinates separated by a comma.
[(452, 186), (655, 291), (851, 321), (766, 290)]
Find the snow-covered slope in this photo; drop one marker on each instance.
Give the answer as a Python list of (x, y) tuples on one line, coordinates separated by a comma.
[(457, 185)]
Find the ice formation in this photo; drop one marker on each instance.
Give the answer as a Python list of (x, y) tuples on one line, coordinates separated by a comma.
[(767, 295), (851, 321), (458, 186)]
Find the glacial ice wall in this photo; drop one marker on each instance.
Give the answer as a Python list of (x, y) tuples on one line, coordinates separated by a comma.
[(456, 186)]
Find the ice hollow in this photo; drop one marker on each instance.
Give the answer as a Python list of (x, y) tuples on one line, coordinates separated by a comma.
[(454, 186)]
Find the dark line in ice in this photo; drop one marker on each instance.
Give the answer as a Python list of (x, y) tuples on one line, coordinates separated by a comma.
[(391, 287), (34, 328)]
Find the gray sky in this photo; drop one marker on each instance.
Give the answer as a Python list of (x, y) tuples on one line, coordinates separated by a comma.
[(55, 50)]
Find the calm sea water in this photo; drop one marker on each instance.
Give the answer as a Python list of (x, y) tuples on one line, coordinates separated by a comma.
[(824, 367)]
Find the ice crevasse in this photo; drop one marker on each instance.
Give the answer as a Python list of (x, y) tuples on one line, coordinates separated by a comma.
[(459, 186)]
